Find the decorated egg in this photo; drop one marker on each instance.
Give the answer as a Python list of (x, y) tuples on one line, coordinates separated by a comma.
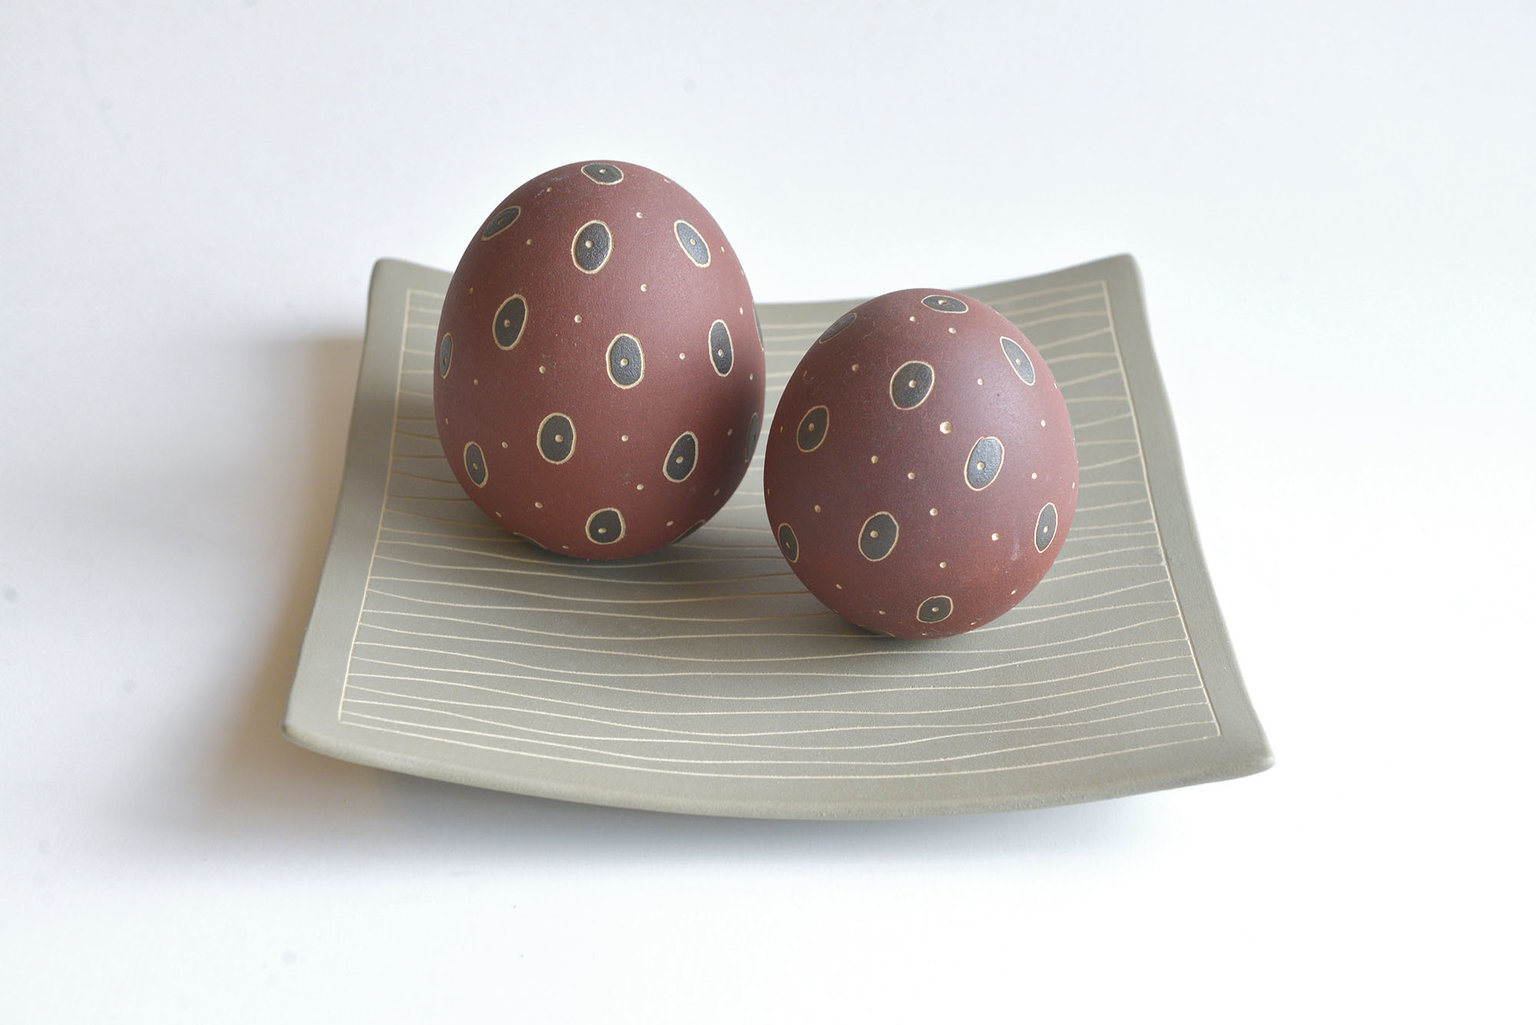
[(920, 475), (599, 371)]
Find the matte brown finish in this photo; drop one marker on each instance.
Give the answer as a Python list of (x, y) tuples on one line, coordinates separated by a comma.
[(599, 373), (921, 473)]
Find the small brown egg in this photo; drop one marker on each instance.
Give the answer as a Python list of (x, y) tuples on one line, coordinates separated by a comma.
[(928, 491)]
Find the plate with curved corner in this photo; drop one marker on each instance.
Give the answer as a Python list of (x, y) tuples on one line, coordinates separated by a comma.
[(704, 678)]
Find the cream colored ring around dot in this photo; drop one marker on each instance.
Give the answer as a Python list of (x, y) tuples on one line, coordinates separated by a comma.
[(474, 445), (667, 462), (606, 256), (820, 437), (521, 328), (538, 438), (933, 378)]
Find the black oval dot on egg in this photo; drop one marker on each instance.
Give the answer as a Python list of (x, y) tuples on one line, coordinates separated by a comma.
[(788, 543), (1018, 359), (557, 438), (510, 320), (945, 304), (986, 460), (500, 222), (936, 609), (1045, 527), (911, 384), (603, 174), (605, 526), (721, 352), (474, 464), (444, 355), (592, 246), (682, 457), (754, 429), (626, 361), (813, 429), (692, 242), (878, 536), (838, 325)]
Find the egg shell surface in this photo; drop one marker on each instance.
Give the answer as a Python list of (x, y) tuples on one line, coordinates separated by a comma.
[(920, 474), (599, 376)]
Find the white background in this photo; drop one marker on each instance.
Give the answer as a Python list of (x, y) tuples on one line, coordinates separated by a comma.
[(1332, 208)]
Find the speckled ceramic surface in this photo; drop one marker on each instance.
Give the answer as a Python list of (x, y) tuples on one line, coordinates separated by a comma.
[(599, 379), (704, 678), (920, 474)]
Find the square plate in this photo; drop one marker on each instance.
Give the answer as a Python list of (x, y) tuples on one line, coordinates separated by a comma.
[(704, 678)]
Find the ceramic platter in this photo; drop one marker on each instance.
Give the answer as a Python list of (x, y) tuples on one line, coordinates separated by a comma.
[(705, 679)]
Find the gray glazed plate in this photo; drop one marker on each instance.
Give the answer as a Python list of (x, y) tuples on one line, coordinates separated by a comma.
[(705, 679)]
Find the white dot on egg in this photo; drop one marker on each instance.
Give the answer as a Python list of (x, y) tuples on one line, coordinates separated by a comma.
[(816, 508), (943, 565), (946, 427), (1042, 423), (639, 487), (503, 444), (643, 288), (994, 537), (874, 459), (933, 512), (538, 505), (911, 475)]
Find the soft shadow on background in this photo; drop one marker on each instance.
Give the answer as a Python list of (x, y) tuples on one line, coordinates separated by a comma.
[(263, 794)]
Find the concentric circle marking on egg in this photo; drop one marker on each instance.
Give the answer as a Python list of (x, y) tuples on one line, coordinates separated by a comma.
[(945, 303), (692, 242), (1018, 359), (1045, 527), (877, 538), (605, 526), (813, 429), (557, 438), (936, 609), (603, 174), (626, 361), (984, 464), (911, 384), (788, 543), (837, 326), (500, 222), (592, 246), (444, 355), (511, 319), (754, 429), (682, 457), (721, 353), (474, 464)]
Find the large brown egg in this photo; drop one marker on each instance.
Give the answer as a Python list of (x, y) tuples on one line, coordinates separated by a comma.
[(599, 373), (921, 474)]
